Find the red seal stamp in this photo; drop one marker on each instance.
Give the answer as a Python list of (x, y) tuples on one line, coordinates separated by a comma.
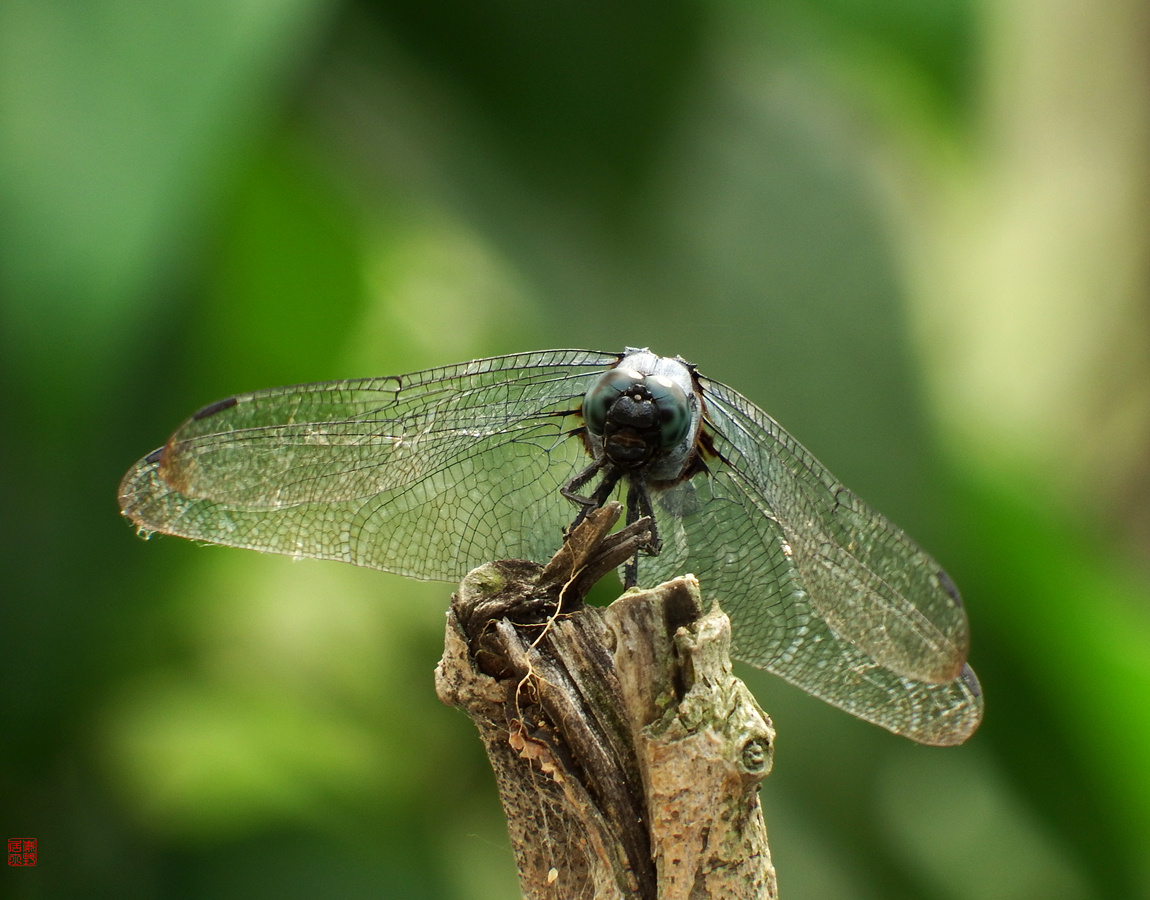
[(22, 851)]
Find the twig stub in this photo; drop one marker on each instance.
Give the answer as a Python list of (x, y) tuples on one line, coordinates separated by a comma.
[(627, 755)]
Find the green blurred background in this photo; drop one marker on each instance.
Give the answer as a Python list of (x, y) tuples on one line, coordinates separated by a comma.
[(914, 231)]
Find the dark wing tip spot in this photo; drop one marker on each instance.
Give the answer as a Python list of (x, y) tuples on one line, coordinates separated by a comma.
[(949, 586), (212, 408), (971, 680), (155, 456)]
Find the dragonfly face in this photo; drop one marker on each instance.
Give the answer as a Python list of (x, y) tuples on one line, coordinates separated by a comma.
[(644, 413), (433, 473)]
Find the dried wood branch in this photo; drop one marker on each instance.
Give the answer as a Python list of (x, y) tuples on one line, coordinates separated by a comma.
[(627, 755)]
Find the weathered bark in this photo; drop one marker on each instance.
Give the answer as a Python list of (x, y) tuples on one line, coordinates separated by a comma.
[(627, 755)]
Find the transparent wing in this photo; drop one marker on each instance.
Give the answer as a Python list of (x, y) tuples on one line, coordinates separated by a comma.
[(821, 589), (427, 475)]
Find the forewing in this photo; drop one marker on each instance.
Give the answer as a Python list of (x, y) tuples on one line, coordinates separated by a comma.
[(821, 590), (427, 475)]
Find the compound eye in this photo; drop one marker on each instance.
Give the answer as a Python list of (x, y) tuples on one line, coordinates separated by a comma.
[(674, 413), (608, 388)]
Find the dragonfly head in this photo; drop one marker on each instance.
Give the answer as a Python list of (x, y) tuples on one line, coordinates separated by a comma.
[(636, 415)]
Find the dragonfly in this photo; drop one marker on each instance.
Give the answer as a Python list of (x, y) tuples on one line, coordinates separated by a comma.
[(433, 473)]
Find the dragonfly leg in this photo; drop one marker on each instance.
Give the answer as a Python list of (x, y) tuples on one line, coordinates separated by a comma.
[(639, 505), (571, 487), (611, 476)]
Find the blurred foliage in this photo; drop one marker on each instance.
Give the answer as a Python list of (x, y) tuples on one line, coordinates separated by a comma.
[(581, 94), (199, 199)]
